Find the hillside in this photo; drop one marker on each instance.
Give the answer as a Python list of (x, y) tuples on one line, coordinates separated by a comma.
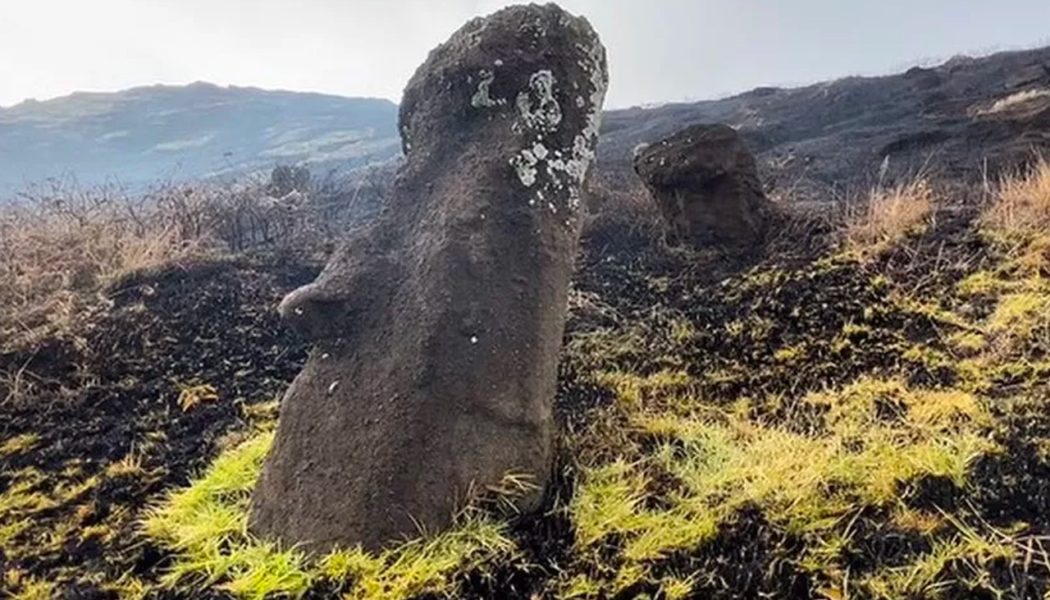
[(854, 405), (830, 134), (948, 119), (189, 132)]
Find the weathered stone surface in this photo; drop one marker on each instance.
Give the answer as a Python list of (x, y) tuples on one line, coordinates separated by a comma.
[(437, 332), (706, 183)]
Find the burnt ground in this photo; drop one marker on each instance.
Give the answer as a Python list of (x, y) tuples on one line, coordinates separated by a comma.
[(848, 321), (112, 391)]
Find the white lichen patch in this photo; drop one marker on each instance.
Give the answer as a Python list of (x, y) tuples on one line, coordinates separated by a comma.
[(482, 97), (405, 142), (542, 165), (537, 107), (539, 151), (524, 164)]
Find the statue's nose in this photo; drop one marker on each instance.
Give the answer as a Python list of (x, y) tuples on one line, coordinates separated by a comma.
[(311, 312)]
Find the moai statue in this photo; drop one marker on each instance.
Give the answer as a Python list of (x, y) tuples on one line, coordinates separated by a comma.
[(437, 332)]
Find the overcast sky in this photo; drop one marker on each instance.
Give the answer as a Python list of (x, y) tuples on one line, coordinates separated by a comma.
[(659, 50)]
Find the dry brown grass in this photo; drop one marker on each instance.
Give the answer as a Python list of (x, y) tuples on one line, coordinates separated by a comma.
[(1022, 204), (62, 245), (1022, 100), (888, 216)]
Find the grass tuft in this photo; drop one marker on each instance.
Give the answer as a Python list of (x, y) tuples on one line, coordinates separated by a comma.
[(1022, 204), (19, 444), (34, 589), (889, 216), (806, 483), (205, 524)]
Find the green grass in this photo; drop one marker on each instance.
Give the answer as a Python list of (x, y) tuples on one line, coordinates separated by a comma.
[(206, 525), (34, 589), (673, 463), (19, 444), (967, 550), (809, 484), (693, 443)]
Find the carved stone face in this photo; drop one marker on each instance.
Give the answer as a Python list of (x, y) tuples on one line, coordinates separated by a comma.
[(510, 104), (438, 330)]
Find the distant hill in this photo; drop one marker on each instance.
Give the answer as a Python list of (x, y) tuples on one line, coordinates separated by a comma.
[(956, 119), (184, 132)]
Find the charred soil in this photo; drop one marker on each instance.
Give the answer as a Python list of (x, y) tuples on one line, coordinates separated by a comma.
[(667, 351)]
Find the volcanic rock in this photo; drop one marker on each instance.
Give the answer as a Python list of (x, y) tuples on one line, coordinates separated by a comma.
[(706, 184)]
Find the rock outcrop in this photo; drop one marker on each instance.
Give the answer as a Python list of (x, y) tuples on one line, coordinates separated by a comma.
[(705, 181), (438, 331)]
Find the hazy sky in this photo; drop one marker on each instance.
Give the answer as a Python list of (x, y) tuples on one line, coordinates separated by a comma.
[(659, 50)]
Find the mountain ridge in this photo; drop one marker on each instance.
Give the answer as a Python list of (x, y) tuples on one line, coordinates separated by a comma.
[(827, 134), (194, 131)]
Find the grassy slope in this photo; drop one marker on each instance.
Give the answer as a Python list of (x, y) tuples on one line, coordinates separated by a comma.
[(840, 419)]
